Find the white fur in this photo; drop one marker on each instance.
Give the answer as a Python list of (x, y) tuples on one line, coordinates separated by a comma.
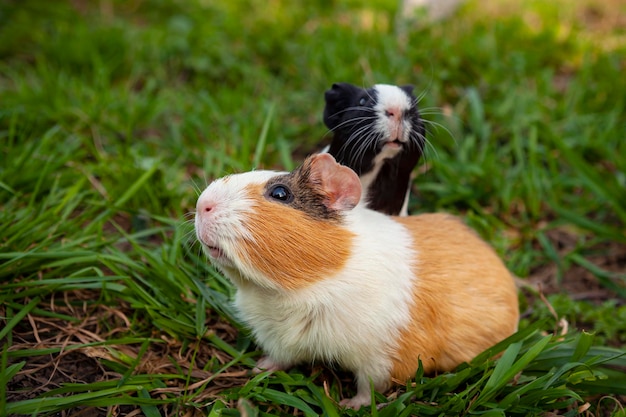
[(230, 204), (404, 211), (352, 318), (391, 98)]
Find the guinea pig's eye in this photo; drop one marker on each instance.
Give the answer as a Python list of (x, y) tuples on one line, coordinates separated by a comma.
[(362, 101), (281, 193)]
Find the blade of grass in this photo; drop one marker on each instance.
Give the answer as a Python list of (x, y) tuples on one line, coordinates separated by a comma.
[(605, 277), (95, 398), (507, 367), (601, 186), (260, 146), (583, 222), (149, 410), (284, 398), (23, 311)]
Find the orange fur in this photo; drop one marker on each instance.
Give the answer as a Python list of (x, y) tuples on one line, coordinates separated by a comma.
[(481, 306), (289, 247)]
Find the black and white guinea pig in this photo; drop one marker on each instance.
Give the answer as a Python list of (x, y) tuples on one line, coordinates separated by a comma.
[(320, 277), (378, 133)]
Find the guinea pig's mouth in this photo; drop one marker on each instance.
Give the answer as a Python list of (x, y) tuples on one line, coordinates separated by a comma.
[(215, 253), (397, 143)]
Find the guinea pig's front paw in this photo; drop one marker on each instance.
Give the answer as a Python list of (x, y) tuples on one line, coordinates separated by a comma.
[(267, 364), (356, 402)]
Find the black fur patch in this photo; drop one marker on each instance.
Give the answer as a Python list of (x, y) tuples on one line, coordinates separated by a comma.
[(388, 191)]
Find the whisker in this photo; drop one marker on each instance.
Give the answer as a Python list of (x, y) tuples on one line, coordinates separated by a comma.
[(437, 126), (363, 144), (355, 136), (428, 144), (419, 97), (370, 141), (354, 120), (431, 110), (196, 187), (347, 109)]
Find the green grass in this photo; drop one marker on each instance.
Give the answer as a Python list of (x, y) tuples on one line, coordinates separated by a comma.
[(114, 115)]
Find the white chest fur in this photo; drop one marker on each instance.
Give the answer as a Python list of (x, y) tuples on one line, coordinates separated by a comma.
[(352, 318)]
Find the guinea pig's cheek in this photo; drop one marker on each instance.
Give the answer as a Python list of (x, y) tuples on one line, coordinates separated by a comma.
[(204, 231)]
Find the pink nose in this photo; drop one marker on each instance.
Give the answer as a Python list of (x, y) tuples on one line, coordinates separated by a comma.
[(393, 113), (204, 207)]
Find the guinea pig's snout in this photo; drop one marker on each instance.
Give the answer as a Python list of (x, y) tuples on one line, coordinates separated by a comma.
[(395, 130), (204, 207), (207, 206), (207, 212), (393, 113)]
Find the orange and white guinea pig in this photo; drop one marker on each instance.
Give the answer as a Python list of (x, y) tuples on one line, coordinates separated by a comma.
[(320, 277)]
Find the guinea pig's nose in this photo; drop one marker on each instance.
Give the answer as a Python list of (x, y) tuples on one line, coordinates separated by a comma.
[(393, 113), (204, 207)]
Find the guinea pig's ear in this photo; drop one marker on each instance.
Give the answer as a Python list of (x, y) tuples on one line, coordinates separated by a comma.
[(339, 183), (338, 98), (337, 90), (408, 89)]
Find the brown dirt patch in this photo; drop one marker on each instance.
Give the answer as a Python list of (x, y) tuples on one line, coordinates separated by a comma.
[(71, 363), (577, 281)]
